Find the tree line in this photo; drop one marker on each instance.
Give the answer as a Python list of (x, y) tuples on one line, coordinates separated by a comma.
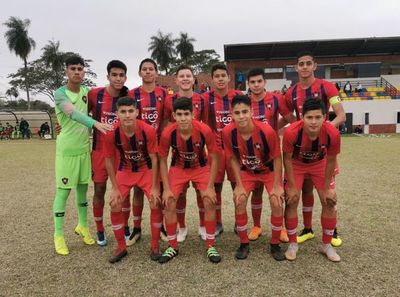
[(46, 74)]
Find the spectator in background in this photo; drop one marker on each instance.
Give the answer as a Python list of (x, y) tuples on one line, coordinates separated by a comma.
[(44, 129), (337, 85), (358, 129), (24, 129), (284, 89), (359, 88), (347, 88)]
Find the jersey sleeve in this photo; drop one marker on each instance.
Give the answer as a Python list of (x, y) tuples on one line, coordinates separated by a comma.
[(226, 132), (288, 140), (163, 148), (332, 94), (109, 145), (210, 140), (334, 146), (65, 105)]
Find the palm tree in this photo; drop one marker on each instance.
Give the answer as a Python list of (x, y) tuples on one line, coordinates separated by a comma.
[(162, 49), (20, 43), (12, 92), (185, 46), (54, 58)]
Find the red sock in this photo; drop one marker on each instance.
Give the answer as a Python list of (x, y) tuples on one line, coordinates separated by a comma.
[(180, 211), (200, 205), (218, 207), (155, 223), (291, 228), (210, 233), (276, 227), (98, 215), (117, 221), (171, 232), (256, 209), (328, 227), (308, 204), (137, 211), (241, 227), (126, 209)]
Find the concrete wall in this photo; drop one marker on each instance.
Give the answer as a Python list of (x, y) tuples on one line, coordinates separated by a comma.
[(381, 112)]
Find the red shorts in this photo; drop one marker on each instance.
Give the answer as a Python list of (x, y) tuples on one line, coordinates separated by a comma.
[(99, 171), (126, 180), (252, 181), (315, 172), (179, 178), (224, 165)]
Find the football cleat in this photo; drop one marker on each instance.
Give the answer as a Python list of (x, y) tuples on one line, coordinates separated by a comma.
[(60, 246), (134, 237), (255, 233), (85, 234), (168, 255), (213, 255), (182, 233), (101, 239), (305, 235), (243, 251), (117, 256)]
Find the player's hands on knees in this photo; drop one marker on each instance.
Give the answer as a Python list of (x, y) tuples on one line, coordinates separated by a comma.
[(239, 195), (210, 194), (115, 198), (167, 194), (329, 197), (278, 195), (292, 195), (155, 198), (103, 128)]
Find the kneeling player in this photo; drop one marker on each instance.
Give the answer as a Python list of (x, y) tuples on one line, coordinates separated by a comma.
[(188, 139), (255, 155), (310, 147), (136, 143)]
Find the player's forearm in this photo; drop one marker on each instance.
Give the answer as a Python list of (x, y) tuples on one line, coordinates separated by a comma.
[(164, 173), (277, 171), (290, 118), (111, 171), (282, 123), (340, 115), (214, 169), (236, 171), (329, 170)]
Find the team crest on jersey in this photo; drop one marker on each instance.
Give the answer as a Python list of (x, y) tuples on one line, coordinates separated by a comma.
[(269, 106), (84, 99), (64, 180)]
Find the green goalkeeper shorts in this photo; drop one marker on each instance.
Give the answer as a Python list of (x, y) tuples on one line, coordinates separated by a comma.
[(72, 170)]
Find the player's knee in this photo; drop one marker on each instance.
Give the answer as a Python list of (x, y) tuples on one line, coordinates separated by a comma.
[(171, 204), (115, 206)]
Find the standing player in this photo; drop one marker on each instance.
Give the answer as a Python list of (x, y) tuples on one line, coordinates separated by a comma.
[(310, 147), (254, 151), (219, 100), (136, 143), (266, 108), (72, 151), (150, 104), (102, 106), (188, 139), (184, 79), (311, 87)]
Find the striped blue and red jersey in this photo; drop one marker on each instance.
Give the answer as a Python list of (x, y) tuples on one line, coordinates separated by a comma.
[(305, 150), (200, 107), (190, 153), (134, 151), (103, 108), (296, 96), (267, 109), (220, 112), (150, 105), (255, 154)]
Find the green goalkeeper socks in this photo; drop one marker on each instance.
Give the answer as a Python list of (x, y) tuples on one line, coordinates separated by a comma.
[(81, 204), (59, 210)]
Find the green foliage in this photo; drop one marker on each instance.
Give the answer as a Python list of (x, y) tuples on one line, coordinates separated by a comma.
[(162, 50)]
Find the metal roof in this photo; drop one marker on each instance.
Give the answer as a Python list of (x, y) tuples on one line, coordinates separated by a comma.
[(320, 48)]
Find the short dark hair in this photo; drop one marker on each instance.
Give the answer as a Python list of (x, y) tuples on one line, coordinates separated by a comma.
[(126, 101), (238, 99), (148, 60), (74, 60), (219, 66), (184, 67), (183, 103), (304, 53), (314, 104), (255, 72), (116, 64)]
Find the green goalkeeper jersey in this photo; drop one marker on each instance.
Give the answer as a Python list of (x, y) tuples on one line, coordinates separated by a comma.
[(71, 110)]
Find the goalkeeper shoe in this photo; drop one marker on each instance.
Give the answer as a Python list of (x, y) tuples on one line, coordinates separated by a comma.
[(61, 247), (85, 234)]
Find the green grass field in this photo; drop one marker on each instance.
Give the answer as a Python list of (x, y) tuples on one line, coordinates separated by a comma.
[(369, 208)]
